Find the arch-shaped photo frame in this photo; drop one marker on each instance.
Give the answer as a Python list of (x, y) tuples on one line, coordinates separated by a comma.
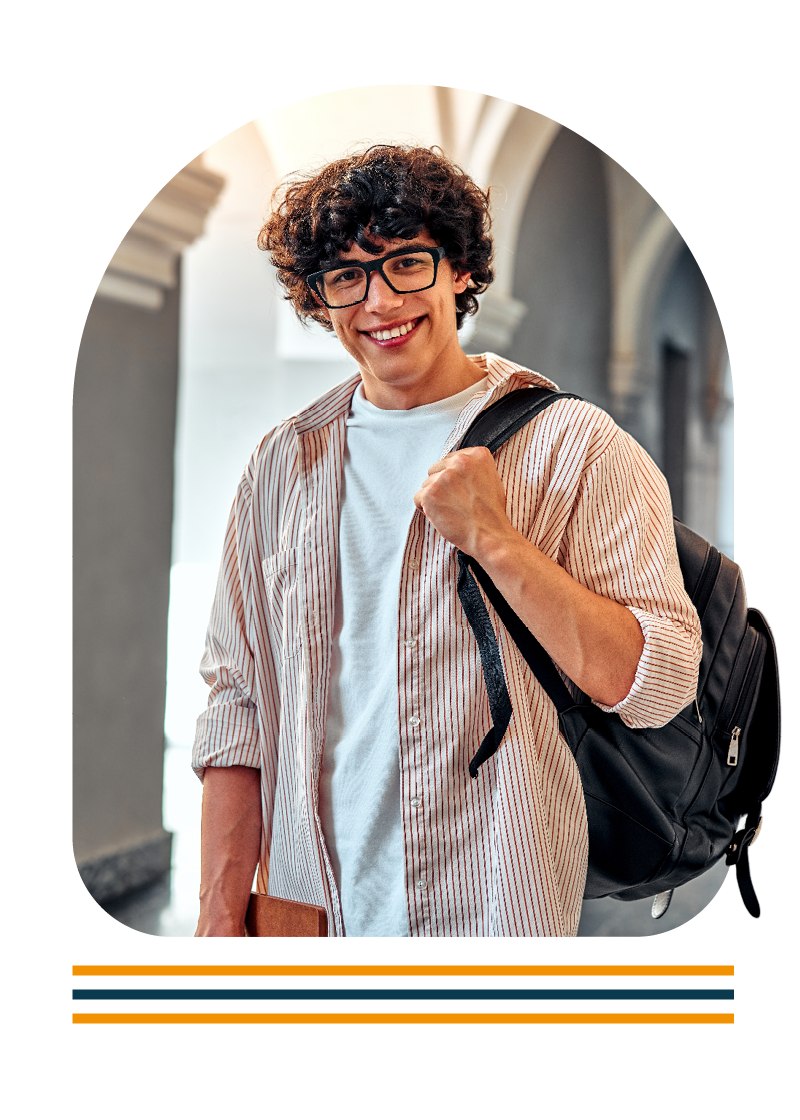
[(189, 355)]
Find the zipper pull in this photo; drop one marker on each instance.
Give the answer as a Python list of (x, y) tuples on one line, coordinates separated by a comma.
[(733, 749), (697, 706)]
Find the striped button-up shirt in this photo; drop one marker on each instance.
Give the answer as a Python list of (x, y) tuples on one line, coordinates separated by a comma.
[(504, 854)]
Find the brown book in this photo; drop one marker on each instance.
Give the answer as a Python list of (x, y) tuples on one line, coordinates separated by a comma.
[(278, 917)]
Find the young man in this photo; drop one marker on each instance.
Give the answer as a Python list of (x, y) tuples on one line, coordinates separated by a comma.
[(347, 696)]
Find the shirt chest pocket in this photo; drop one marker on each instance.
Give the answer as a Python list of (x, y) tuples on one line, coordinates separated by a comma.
[(283, 601)]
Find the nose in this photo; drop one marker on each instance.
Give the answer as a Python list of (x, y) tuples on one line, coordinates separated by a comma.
[(379, 295)]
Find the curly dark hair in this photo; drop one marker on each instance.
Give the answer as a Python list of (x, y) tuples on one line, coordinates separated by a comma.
[(385, 192)]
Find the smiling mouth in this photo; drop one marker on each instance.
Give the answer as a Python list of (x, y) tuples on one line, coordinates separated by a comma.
[(393, 332)]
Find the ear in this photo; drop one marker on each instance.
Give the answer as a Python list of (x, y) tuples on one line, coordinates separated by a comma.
[(321, 308), (460, 281)]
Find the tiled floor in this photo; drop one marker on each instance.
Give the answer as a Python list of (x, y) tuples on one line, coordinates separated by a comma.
[(605, 917)]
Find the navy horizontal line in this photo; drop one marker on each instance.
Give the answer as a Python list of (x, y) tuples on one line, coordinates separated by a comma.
[(402, 993)]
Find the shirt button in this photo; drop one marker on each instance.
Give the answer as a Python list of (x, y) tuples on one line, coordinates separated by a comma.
[(413, 565), (415, 721), (410, 643), (422, 884), (415, 802)]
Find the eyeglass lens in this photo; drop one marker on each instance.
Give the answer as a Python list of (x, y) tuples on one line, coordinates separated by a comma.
[(410, 272)]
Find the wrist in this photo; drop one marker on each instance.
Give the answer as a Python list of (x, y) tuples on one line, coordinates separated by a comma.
[(223, 908), (499, 550), (219, 923), (212, 929)]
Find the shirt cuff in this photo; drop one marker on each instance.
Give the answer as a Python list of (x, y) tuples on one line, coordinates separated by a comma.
[(666, 676), (226, 738)]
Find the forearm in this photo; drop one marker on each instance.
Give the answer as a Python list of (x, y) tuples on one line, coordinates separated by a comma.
[(230, 843), (595, 641)]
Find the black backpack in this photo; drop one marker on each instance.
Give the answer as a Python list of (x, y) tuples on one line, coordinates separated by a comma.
[(663, 804)]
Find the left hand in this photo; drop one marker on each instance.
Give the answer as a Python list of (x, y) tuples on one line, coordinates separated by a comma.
[(464, 499)]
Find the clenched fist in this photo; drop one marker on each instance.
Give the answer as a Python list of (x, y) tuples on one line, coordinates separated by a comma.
[(464, 499)]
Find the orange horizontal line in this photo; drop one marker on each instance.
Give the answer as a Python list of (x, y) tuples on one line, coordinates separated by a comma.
[(621, 1017), (402, 970)]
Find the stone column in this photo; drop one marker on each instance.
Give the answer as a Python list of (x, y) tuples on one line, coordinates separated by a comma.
[(124, 429)]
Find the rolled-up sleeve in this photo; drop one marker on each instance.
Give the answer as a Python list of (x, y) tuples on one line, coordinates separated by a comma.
[(228, 730), (620, 543)]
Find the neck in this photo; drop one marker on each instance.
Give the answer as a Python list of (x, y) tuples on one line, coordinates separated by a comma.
[(452, 373)]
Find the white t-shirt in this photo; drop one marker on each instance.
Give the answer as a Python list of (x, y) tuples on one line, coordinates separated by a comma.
[(386, 461)]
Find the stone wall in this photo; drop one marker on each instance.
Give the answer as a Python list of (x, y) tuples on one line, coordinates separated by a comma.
[(124, 428)]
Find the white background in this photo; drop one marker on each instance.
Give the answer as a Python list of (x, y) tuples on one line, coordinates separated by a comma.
[(103, 104)]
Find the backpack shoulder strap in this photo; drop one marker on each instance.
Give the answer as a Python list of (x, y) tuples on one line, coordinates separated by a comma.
[(492, 428), (503, 419)]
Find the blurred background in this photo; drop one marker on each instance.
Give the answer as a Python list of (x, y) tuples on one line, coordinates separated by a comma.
[(190, 355)]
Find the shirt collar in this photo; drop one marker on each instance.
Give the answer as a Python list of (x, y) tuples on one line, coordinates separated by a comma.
[(503, 377)]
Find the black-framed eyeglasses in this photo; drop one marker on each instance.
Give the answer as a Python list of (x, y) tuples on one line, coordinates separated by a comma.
[(405, 270)]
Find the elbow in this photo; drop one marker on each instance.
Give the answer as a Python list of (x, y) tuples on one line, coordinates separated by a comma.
[(611, 679)]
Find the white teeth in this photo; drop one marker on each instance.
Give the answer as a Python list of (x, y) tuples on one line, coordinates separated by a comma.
[(395, 332)]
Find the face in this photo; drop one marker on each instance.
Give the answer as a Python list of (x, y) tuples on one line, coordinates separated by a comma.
[(427, 354)]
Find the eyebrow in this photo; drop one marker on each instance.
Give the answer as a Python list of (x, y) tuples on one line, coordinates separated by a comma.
[(412, 247)]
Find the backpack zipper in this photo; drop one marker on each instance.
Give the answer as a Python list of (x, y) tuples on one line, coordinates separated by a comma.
[(746, 693), (705, 584), (745, 664), (733, 749), (763, 630)]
